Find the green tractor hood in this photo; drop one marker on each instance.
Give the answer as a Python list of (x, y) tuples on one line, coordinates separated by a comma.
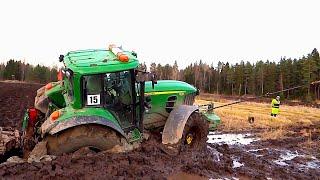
[(169, 85), (165, 96)]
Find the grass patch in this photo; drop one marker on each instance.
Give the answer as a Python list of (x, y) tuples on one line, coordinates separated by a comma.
[(273, 134), (235, 117)]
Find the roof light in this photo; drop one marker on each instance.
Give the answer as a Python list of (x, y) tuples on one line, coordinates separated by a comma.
[(123, 57), (119, 53)]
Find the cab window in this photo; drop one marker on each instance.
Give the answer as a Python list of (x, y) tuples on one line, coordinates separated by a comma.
[(92, 86)]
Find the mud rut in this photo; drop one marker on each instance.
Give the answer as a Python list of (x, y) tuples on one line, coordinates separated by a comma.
[(149, 161)]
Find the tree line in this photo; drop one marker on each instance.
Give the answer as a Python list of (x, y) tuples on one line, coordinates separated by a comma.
[(245, 78), (21, 71)]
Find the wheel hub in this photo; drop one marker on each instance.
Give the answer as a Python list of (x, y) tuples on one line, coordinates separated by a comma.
[(189, 139)]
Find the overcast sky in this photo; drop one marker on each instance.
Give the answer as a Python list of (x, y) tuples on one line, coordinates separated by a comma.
[(161, 31)]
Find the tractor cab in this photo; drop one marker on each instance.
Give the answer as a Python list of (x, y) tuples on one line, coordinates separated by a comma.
[(117, 92), (109, 81)]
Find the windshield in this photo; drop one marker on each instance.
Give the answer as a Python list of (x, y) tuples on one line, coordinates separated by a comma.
[(118, 89)]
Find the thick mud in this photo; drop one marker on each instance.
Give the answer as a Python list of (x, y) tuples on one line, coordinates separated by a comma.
[(287, 158), (149, 162), (296, 156), (258, 160)]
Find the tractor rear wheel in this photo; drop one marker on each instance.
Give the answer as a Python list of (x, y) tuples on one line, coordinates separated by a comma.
[(195, 133), (94, 136)]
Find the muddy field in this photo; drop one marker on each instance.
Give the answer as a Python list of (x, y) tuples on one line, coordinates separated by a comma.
[(14, 99), (243, 155)]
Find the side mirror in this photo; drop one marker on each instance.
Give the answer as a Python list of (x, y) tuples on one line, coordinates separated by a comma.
[(134, 54), (142, 76), (153, 79), (61, 57), (198, 92)]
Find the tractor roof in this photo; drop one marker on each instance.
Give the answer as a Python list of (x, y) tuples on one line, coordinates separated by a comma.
[(95, 61)]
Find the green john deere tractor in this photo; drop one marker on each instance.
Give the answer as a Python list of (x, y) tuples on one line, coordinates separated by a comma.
[(103, 101)]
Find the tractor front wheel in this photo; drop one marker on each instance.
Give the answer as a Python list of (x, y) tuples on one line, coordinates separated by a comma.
[(94, 136), (195, 133)]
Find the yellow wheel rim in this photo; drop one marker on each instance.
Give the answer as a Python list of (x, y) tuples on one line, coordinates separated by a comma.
[(189, 139)]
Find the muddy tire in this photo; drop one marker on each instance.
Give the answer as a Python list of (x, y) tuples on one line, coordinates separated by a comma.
[(94, 136), (195, 133)]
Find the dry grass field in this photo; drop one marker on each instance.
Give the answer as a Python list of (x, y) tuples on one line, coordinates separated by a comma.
[(235, 118)]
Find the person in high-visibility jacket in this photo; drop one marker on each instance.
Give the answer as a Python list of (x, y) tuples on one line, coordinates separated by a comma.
[(275, 105)]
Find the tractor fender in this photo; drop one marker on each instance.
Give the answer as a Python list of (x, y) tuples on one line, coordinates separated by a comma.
[(173, 129), (82, 120)]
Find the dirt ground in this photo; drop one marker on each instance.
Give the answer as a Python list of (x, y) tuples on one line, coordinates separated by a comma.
[(295, 156)]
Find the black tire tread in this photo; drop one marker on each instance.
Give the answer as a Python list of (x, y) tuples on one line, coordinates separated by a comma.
[(91, 135), (201, 124)]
